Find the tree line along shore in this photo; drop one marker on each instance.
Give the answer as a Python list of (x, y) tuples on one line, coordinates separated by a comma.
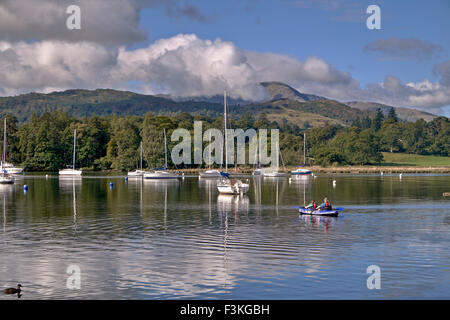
[(104, 143)]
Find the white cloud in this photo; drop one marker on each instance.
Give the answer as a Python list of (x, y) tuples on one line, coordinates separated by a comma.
[(109, 22), (185, 65)]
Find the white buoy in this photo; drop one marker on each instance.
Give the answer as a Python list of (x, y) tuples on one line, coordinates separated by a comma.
[(400, 175), (334, 183), (382, 173)]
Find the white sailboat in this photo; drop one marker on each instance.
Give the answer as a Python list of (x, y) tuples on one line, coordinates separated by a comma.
[(5, 177), (226, 185), (210, 173), (162, 174), (301, 171), (11, 169), (72, 171), (137, 172), (258, 171), (274, 171)]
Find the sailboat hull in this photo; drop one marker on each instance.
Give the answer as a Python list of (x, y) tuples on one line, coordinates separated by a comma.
[(14, 170), (227, 186), (137, 173), (11, 169), (6, 180), (275, 174), (161, 175), (300, 172), (70, 172), (210, 174)]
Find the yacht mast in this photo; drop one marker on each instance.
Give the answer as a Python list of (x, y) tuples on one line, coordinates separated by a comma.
[(277, 150), (141, 155), (4, 143), (225, 128), (74, 147), (165, 149), (209, 160), (304, 149)]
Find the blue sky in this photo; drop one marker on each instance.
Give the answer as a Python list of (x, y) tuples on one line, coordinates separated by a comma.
[(336, 34), (321, 47)]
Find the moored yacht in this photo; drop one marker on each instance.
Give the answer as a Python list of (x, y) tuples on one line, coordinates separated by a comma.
[(5, 177), (11, 169), (72, 171), (301, 171), (274, 171), (210, 174), (137, 172), (69, 172), (162, 173), (232, 186), (225, 184), (258, 172)]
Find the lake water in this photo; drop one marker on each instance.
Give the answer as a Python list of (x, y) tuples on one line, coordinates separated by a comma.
[(180, 239)]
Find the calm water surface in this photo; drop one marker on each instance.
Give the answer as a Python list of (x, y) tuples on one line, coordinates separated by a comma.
[(181, 239)]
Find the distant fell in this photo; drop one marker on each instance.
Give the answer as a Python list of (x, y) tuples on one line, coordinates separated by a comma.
[(404, 114), (278, 90)]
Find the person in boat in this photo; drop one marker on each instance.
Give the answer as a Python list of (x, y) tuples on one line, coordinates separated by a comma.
[(312, 205), (326, 205)]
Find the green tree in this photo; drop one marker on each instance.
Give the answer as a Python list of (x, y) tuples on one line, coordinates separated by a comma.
[(43, 142), (377, 121), (392, 115), (93, 137), (122, 149), (13, 154), (390, 136)]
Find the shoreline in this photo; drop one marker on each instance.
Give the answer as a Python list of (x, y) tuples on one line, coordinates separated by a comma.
[(343, 169), (314, 169)]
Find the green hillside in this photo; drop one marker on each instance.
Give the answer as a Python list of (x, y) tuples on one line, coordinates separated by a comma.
[(404, 114), (103, 102), (314, 113)]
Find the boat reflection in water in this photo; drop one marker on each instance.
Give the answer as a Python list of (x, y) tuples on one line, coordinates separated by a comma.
[(232, 203), (4, 189), (160, 184), (316, 222), (70, 184), (303, 183)]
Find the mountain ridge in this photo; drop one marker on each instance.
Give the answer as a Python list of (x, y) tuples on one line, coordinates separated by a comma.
[(284, 104)]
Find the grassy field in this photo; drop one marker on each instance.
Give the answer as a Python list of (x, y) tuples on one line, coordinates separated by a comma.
[(404, 159)]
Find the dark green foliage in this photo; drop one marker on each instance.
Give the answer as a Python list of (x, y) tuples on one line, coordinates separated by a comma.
[(392, 115), (377, 121), (356, 146), (45, 143), (350, 146)]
